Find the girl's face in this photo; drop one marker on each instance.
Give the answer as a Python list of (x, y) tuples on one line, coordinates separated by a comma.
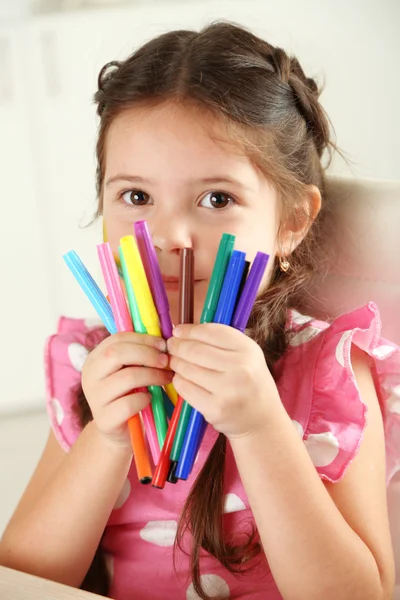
[(163, 165)]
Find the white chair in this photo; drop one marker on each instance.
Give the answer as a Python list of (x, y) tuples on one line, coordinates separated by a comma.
[(363, 239)]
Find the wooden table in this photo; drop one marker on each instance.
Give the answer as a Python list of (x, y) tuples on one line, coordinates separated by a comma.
[(15, 585)]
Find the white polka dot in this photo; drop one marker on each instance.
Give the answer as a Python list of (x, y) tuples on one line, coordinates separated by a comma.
[(298, 428), (58, 410), (394, 404), (213, 585), (123, 495), (300, 319), (89, 323), (233, 503), (77, 355), (340, 347), (303, 336), (160, 533), (396, 390), (323, 448), (382, 351)]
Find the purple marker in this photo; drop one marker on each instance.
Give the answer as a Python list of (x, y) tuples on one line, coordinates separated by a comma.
[(154, 277), (249, 294)]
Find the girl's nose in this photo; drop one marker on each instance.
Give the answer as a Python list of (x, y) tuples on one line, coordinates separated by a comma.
[(170, 236)]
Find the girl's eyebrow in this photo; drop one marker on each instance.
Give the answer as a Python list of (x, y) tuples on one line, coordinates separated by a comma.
[(204, 180)]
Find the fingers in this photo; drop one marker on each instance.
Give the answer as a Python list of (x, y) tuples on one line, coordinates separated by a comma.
[(200, 376), (214, 334), (123, 382), (112, 419), (118, 366), (136, 338), (197, 353), (110, 358), (198, 397)]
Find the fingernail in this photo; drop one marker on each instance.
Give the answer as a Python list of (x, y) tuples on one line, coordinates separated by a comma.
[(177, 331), (163, 360), (162, 345)]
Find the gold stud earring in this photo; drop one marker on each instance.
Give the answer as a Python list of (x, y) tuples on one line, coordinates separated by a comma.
[(284, 264)]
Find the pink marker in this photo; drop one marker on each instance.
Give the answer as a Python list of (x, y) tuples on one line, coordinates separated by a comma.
[(124, 323), (114, 289)]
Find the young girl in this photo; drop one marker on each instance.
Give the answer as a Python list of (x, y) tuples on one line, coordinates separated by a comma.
[(201, 134)]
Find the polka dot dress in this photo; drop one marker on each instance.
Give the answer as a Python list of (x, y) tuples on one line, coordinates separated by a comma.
[(318, 389)]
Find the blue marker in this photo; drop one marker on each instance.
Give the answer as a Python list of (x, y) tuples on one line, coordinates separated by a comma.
[(230, 288), (226, 304), (91, 289)]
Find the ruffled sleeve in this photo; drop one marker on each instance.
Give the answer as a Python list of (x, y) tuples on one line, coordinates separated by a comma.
[(319, 390), (65, 354)]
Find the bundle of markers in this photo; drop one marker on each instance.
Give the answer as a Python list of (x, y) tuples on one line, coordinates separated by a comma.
[(174, 430)]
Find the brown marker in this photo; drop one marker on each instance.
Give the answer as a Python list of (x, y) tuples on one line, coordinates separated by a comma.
[(165, 468), (186, 302)]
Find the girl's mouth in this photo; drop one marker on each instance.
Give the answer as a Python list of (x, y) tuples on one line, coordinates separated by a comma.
[(172, 283)]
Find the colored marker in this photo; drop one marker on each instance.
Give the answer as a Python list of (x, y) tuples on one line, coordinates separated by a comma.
[(143, 296), (242, 283), (114, 289), (154, 277), (123, 323), (230, 288), (169, 407), (186, 296), (223, 315), (91, 289), (116, 258), (196, 427), (217, 277), (156, 422), (224, 253), (250, 290)]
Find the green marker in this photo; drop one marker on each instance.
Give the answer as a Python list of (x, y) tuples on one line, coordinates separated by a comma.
[(225, 250), (157, 400)]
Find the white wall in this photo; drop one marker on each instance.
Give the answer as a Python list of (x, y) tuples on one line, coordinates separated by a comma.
[(48, 71)]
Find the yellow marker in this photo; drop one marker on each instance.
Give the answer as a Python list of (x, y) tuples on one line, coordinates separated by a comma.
[(144, 299), (116, 257), (137, 275)]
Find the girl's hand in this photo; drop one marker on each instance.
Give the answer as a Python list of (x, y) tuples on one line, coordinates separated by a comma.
[(113, 370), (223, 374)]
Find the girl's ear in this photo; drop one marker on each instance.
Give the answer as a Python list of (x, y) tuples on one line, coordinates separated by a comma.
[(296, 226)]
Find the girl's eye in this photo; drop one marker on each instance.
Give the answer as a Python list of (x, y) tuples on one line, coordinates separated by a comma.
[(216, 200), (136, 198)]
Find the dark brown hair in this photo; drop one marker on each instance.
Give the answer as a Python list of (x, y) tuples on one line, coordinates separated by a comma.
[(271, 110)]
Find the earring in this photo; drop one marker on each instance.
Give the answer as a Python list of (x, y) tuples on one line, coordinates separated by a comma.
[(284, 264)]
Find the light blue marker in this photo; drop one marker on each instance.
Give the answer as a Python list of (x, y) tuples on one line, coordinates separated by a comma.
[(91, 289)]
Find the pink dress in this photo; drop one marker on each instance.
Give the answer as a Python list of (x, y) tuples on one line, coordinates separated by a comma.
[(318, 389)]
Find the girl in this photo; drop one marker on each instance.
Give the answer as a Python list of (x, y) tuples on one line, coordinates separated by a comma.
[(200, 134)]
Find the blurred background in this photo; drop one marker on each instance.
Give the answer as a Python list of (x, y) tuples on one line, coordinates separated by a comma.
[(50, 55)]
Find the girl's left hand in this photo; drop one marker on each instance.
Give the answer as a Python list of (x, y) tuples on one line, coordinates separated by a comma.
[(222, 373)]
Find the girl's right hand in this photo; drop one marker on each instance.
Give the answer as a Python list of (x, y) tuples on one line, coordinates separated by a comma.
[(120, 364)]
